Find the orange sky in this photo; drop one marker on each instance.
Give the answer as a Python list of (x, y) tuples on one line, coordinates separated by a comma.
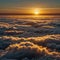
[(30, 10), (28, 6)]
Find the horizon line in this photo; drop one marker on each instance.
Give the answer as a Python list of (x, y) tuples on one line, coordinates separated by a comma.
[(29, 14)]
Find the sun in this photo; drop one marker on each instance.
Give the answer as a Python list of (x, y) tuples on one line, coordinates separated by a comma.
[(36, 12)]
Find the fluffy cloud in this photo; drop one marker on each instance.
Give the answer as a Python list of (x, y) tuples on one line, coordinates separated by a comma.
[(22, 39)]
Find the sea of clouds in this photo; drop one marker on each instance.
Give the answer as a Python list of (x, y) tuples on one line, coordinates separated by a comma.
[(29, 39)]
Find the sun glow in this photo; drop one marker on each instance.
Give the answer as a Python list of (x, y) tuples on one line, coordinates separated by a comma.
[(36, 12)]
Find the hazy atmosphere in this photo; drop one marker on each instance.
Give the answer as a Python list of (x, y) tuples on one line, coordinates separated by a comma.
[(29, 29), (26, 6)]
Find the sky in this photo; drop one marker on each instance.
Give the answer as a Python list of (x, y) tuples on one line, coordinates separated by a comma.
[(19, 6)]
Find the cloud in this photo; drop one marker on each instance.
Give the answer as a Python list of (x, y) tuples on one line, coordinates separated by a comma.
[(29, 40), (22, 50), (31, 49)]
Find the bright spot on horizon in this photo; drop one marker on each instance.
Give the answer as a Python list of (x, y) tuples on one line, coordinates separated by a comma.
[(36, 12)]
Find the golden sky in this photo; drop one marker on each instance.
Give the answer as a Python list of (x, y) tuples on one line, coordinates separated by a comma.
[(30, 10), (28, 6)]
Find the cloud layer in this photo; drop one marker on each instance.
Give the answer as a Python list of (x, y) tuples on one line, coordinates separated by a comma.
[(29, 39)]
